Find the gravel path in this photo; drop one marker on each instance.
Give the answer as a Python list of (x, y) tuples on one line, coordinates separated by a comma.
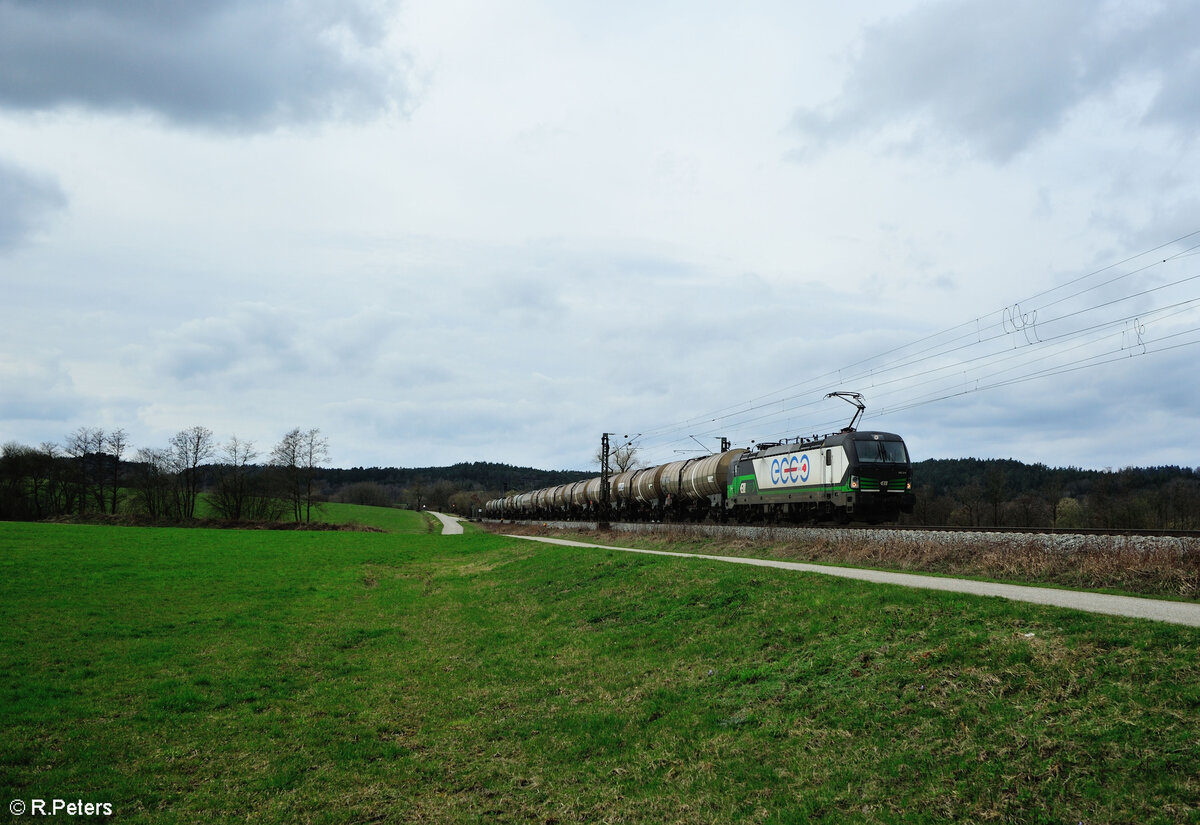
[(450, 525), (1185, 613), (1060, 542)]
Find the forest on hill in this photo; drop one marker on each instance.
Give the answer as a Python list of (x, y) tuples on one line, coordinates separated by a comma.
[(1007, 493), (475, 475)]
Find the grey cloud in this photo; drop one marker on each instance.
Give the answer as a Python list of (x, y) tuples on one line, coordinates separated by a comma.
[(360, 342), (1063, 421), (26, 201), (244, 64), (1000, 76), (448, 428), (251, 342), (256, 344), (532, 299), (37, 389)]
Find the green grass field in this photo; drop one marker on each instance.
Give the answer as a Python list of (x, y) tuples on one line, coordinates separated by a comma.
[(385, 518), (188, 675)]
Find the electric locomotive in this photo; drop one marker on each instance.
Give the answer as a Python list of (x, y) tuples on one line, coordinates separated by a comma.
[(851, 475), (844, 476)]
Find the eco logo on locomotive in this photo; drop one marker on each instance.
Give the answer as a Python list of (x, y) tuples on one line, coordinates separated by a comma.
[(789, 469)]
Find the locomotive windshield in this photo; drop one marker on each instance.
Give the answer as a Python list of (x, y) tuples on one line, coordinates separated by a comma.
[(881, 452)]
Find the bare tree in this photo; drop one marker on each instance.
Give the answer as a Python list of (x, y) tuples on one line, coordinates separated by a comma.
[(85, 447), (415, 495), (49, 489), (189, 449), (620, 459), (467, 502), (34, 482), (298, 455), (153, 482), (370, 493), (994, 492), (15, 469), (286, 457), (439, 495), (232, 495), (115, 444), (972, 497)]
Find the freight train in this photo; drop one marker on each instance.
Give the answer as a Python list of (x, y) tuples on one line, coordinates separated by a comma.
[(845, 476)]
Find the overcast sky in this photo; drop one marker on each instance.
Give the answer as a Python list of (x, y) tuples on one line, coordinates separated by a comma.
[(456, 231)]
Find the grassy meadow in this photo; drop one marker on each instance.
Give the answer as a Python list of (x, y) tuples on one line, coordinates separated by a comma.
[(190, 675)]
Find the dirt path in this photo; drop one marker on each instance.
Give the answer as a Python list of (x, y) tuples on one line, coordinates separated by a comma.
[(1185, 613)]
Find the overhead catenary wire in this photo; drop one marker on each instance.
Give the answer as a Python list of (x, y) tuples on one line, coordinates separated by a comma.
[(1075, 366), (974, 322), (964, 358), (759, 414)]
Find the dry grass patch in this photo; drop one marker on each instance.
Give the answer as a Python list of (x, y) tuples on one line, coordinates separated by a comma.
[(1113, 563)]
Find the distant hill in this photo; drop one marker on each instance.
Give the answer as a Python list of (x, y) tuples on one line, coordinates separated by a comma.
[(941, 476), (1005, 492), (476, 475)]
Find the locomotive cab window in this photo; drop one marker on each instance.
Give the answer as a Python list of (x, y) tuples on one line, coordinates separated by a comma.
[(881, 452)]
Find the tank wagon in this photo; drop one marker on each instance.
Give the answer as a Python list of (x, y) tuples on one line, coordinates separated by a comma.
[(846, 476)]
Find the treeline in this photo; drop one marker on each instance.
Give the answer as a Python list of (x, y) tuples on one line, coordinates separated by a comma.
[(96, 471), (460, 488), (476, 475), (975, 492), (966, 492)]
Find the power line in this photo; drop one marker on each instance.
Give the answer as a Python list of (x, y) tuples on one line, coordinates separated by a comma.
[(1014, 324)]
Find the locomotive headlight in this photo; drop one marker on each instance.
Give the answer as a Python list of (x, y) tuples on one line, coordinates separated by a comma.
[(908, 486), (853, 482)]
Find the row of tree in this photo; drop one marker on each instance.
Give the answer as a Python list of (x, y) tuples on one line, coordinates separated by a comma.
[(1006, 493), (93, 472), (965, 492), (464, 476), (464, 498)]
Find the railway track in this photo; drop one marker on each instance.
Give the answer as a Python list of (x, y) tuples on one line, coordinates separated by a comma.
[(1066, 540), (1052, 531)]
